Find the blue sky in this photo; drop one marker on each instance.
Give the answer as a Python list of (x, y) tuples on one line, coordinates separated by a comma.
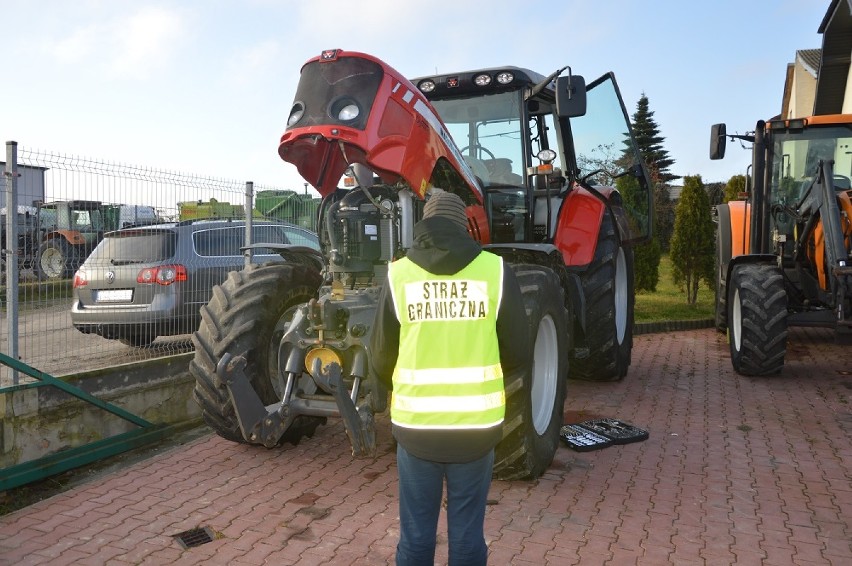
[(204, 86)]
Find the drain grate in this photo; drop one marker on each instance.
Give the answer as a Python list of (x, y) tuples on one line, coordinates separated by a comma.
[(194, 537)]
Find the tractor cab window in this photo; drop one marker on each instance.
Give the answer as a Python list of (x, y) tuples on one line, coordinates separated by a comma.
[(47, 219), (795, 161), (87, 220), (488, 130), (796, 156)]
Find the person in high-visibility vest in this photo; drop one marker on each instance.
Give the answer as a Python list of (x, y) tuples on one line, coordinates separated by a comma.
[(450, 323)]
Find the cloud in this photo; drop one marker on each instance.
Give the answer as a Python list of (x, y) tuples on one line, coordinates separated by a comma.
[(127, 46), (144, 41), (77, 46), (252, 64)]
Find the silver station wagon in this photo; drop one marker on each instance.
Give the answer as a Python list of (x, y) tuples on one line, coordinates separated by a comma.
[(144, 282)]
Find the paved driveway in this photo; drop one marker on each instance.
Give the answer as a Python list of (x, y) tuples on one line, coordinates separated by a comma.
[(736, 471)]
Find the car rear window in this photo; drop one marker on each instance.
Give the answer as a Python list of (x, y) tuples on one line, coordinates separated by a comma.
[(137, 246), (218, 242)]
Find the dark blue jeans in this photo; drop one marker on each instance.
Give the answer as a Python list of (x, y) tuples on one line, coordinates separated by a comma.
[(421, 488)]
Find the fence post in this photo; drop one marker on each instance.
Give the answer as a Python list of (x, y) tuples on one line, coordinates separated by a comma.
[(249, 206), (10, 252)]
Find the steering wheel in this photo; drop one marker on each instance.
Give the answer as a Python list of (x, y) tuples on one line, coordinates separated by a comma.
[(479, 149)]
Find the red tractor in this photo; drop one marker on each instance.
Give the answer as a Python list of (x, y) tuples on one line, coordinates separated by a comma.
[(283, 347)]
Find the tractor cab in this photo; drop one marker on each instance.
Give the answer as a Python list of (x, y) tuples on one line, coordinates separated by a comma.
[(533, 140)]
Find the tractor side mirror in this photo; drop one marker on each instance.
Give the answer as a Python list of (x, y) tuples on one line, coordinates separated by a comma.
[(718, 137), (570, 96)]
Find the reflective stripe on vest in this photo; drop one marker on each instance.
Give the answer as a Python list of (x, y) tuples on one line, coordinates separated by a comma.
[(448, 372)]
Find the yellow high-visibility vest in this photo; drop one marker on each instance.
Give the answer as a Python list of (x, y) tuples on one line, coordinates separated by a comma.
[(448, 372)]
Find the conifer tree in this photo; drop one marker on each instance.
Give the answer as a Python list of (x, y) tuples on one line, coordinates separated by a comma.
[(693, 241), (650, 143), (657, 160)]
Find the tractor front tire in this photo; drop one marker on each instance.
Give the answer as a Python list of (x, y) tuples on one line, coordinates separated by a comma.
[(609, 290), (246, 317), (757, 319), (55, 259), (535, 396)]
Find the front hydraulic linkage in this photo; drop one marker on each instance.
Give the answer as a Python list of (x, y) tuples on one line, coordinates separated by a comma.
[(266, 425)]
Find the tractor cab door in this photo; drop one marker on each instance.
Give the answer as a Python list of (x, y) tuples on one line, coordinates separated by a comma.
[(605, 154)]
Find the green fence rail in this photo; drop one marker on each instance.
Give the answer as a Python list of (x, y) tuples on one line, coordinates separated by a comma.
[(41, 468)]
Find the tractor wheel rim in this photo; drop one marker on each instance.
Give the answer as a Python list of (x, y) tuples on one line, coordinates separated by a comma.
[(620, 296), (545, 374), (736, 324)]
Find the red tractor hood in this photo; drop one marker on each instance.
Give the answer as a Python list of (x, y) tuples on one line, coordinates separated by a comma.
[(354, 108)]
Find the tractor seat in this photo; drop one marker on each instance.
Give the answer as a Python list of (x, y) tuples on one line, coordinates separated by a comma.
[(500, 171)]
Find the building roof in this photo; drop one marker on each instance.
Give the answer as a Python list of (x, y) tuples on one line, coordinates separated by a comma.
[(836, 30), (810, 60)]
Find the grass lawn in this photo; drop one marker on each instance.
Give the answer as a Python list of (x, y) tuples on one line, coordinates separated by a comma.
[(669, 302)]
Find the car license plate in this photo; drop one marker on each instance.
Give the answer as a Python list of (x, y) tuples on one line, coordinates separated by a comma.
[(113, 295)]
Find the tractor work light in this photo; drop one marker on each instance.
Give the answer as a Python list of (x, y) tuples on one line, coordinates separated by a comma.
[(779, 125), (505, 77), (482, 80), (546, 155), (427, 85), (798, 124)]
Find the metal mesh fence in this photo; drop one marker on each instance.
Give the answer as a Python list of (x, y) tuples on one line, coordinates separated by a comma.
[(68, 209)]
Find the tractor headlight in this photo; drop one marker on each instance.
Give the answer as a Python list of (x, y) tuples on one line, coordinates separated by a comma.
[(296, 113), (344, 109), (348, 112)]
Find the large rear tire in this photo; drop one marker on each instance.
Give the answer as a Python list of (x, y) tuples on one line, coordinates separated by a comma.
[(609, 291), (757, 319), (535, 397), (247, 316)]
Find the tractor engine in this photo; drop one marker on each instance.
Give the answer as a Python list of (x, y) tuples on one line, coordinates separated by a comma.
[(362, 230)]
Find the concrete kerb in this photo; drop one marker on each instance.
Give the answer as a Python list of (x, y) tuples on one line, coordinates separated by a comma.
[(36, 422)]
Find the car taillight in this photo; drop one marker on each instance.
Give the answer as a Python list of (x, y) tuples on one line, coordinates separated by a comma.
[(80, 280), (162, 275)]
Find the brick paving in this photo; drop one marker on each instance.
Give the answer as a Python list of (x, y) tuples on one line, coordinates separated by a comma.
[(736, 471)]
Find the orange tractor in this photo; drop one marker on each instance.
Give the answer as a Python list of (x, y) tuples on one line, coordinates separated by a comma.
[(784, 253), (283, 347)]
